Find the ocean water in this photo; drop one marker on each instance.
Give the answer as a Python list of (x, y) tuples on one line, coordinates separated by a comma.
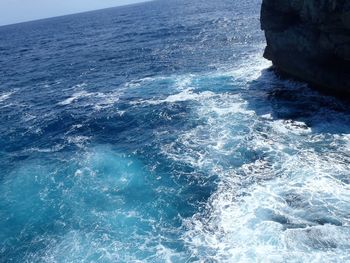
[(157, 133)]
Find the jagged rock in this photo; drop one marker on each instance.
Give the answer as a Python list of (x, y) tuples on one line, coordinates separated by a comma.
[(310, 40)]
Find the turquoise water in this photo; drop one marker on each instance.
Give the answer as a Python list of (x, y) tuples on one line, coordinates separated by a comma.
[(157, 133)]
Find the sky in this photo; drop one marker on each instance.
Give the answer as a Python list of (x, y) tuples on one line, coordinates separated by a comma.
[(16, 11)]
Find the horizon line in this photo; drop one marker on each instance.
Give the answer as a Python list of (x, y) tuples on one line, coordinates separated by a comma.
[(75, 13)]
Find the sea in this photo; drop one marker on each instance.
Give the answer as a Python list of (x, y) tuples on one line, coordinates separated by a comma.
[(157, 132)]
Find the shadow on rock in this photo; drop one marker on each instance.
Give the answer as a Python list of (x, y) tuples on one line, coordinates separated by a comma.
[(273, 96)]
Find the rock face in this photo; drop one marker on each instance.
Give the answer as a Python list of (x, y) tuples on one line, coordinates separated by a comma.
[(310, 40)]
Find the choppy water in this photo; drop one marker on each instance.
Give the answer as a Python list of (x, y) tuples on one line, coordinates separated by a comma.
[(156, 133)]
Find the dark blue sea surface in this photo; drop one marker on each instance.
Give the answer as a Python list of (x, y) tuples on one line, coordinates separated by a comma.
[(157, 133)]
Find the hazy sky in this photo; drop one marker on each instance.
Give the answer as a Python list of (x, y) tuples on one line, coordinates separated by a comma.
[(14, 11)]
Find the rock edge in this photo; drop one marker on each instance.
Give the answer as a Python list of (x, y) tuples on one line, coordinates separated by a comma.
[(310, 40)]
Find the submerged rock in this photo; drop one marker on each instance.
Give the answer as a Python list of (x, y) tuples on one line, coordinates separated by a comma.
[(310, 40)]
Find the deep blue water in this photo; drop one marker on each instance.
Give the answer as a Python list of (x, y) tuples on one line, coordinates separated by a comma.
[(156, 133)]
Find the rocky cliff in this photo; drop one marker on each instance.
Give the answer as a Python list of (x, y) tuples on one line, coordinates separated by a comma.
[(310, 40)]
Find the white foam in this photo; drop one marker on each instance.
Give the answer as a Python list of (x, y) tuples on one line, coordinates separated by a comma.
[(137, 83), (288, 205), (55, 148), (74, 97), (291, 126), (98, 100), (206, 144), (6, 95), (249, 69), (238, 228), (184, 82), (106, 100), (185, 95), (79, 141), (252, 227)]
